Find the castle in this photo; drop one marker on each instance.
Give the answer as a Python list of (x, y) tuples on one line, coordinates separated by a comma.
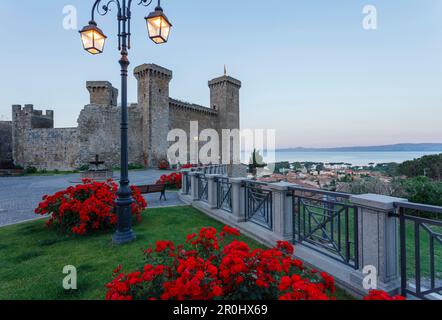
[(30, 139)]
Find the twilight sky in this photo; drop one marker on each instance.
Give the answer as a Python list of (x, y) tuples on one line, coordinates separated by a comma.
[(309, 69)]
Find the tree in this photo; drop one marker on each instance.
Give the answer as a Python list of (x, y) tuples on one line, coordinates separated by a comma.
[(297, 166), (279, 166), (256, 162), (423, 190), (428, 166)]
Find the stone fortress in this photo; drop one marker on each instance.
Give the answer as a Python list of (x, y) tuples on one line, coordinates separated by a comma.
[(30, 139)]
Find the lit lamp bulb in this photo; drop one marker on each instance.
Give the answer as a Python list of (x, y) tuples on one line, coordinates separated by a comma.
[(93, 38), (158, 26)]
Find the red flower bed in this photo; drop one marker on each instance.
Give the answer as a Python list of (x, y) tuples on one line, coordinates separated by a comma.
[(382, 295), (87, 207), (212, 266), (172, 180)]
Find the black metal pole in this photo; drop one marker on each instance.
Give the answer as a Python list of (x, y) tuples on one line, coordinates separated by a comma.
[(124, 201)]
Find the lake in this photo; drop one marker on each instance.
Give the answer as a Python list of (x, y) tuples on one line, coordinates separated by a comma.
[(355, 158)]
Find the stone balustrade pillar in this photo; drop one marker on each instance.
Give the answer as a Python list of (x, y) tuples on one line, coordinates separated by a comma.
[(377, 242), (212, 190), (282, 210), (184, 181), (194, 192), (238, 201)]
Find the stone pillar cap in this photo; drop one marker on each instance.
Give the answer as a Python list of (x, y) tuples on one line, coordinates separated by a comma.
[(376, 201), (237, 180), (281, 186)]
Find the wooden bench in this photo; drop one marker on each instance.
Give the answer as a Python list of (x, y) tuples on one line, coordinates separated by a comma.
[(154, 188)]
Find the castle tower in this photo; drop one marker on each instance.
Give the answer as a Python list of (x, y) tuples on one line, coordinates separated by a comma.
[(102, 93), (153, 99), (224, 97), (22, 121)]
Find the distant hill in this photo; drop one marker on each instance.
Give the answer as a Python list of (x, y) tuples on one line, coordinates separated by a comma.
[(411, 147)]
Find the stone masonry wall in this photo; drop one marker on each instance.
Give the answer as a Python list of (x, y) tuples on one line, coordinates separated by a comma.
[(24, 119), (51, 149), (182, 113), (5, 144), (99, 133)]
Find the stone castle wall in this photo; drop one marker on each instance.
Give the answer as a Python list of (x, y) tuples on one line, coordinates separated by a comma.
[(99, 134), (5, 144), (51, 149), (36, 143)]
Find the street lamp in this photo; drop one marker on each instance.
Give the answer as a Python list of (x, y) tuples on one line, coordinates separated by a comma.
[(158, 25), (93, 40)]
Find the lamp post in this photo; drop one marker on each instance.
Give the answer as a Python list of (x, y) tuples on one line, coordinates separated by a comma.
[(93, 40)]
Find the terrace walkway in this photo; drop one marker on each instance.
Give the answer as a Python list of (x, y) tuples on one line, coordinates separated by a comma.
[(19, 196)]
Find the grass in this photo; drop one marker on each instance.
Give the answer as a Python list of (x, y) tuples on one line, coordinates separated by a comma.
[(32, 257)]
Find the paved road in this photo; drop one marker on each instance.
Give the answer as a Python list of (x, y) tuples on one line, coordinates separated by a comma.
[(19, 196)]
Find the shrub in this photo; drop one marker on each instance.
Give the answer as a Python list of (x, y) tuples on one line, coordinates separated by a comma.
[(164, 165), (86, 207), (172, 181), (31, 170), (84, 167), (212, 266), (135, 166)]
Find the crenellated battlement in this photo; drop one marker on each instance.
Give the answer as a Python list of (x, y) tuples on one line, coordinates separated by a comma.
[(191, 107), (152, 70), (28, 110), (28, 118), (102, 93)]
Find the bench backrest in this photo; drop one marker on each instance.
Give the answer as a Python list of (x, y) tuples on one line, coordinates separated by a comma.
[(152, 188)]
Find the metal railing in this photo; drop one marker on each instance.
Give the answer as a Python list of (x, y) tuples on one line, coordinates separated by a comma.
[(203, 185), (258, 204), (420, 234), (326, 222), (224, 194)]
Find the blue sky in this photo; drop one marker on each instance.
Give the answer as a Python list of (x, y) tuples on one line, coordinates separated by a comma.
[(308, 67)]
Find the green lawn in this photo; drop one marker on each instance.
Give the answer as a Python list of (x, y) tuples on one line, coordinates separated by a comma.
[(32, 257)]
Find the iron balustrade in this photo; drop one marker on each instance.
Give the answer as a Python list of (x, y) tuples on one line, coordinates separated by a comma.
[(203, 185), (326, 222), (420, 234), (224, 194), (258, 204)]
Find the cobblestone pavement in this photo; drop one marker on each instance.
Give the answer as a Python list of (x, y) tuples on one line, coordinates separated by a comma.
[(19, 196)]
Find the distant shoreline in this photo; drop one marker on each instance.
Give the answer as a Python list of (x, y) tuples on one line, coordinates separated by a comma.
[(402, 147)]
